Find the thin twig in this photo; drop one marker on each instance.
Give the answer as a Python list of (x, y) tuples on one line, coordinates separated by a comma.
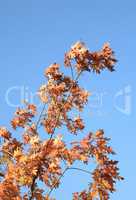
[(40, 116), (72, 74), (79, 169), (7, 152), (66, 169), (57, 181)]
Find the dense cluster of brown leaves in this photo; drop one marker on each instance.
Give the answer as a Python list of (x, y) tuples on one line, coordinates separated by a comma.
[(86, 60), (28, 161)]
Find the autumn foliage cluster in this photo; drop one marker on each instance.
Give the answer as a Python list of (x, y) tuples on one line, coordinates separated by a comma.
[(28, 160)]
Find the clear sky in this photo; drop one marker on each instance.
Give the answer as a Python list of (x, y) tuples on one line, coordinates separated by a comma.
[(35, 33)]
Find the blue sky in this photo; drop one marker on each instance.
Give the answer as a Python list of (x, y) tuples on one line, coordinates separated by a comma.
[(34, 34)]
